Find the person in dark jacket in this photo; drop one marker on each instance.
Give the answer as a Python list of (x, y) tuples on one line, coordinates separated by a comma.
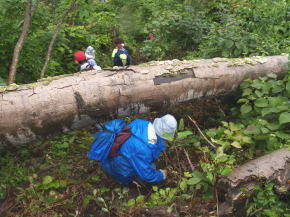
[(135, 158), (122, 57)]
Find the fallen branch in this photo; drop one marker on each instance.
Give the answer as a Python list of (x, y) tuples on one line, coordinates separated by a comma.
[(201, 133), (188, 159)]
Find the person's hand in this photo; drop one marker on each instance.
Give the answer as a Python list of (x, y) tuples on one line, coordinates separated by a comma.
[(164, 172)]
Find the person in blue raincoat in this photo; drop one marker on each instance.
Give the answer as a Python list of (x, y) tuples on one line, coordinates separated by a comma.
[(136, 156)]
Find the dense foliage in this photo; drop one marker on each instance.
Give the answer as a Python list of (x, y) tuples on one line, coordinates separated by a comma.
[(183, 29)]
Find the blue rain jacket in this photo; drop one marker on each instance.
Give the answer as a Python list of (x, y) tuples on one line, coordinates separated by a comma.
[(104, 140), (136, 156)]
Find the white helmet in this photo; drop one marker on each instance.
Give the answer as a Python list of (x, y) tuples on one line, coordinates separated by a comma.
[(165, 126)]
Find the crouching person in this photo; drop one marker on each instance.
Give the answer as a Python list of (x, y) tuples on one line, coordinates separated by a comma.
[(127, 153)]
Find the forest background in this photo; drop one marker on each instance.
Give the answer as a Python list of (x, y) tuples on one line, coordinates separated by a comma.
[(183, 29)]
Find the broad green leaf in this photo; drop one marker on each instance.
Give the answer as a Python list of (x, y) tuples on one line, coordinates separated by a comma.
[(247, 140), (140, 199), (183, 185), (229, 44), (266, 111), (168, 136), (155, 188), (246, 109), (226, 170), (261, 102), (181, 125), (264, 130), (87, 199), (247, 92), (284, 117), (252, 129), (273, 126), (236, 144), (187, 175), (194, 180), (47, 180), (243, 100), (184, 134), (271, 75), (131, 202)]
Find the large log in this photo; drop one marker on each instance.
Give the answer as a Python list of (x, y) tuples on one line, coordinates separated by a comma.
[(273, 167), (55, 105)]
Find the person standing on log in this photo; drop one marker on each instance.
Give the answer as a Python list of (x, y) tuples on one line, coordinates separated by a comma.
[(130, 153)]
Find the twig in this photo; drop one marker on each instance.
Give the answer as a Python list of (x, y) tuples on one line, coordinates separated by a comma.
[(188, 159), (217, 203), (195, 124)]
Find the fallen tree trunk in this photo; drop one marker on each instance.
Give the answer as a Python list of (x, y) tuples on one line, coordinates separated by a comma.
[(59, 104), (273, 167)]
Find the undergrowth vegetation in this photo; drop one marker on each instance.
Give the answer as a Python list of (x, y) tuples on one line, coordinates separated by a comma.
[(55, 177)]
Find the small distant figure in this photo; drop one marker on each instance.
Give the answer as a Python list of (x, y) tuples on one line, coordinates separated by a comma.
[(81, 59), (151, 36), (120, 54), (90, 55)]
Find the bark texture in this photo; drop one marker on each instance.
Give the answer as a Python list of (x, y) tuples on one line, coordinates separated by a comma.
[(55, 105), (273, 167)]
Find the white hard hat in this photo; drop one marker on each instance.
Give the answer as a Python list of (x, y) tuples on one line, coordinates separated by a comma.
[(165, 125)]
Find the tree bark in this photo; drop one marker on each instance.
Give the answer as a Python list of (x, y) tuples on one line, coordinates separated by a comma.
[(273, 167), (55, 105), (27, 20), (53, 39)]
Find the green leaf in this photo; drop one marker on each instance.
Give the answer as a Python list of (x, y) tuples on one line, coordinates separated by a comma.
[(284, 118), (261, 102), (184, 134), (264, 130), (47, 180), (236, 144), (87, 199), (226, 170), (168, 136), (155, 188), (246, 109), (194, 180), (247, 92), (271, 75), (266, 111), (140, 199), (243, 100), (252, 129), (131, 202), (183, 185), (273, 126), (229, 44), (181, 125)]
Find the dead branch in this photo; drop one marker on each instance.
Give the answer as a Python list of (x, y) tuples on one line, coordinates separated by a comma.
[(201, 133)]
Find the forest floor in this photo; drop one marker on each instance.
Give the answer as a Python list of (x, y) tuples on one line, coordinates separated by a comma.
[(55, 178)]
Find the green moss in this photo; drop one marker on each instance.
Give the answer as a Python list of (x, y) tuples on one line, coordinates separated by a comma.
[(12, 87), (220, 59), (31, 85), (3, 89)]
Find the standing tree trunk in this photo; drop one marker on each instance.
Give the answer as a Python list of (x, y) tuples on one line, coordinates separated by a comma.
[(59, 104), (57, 29), (27, 20)]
